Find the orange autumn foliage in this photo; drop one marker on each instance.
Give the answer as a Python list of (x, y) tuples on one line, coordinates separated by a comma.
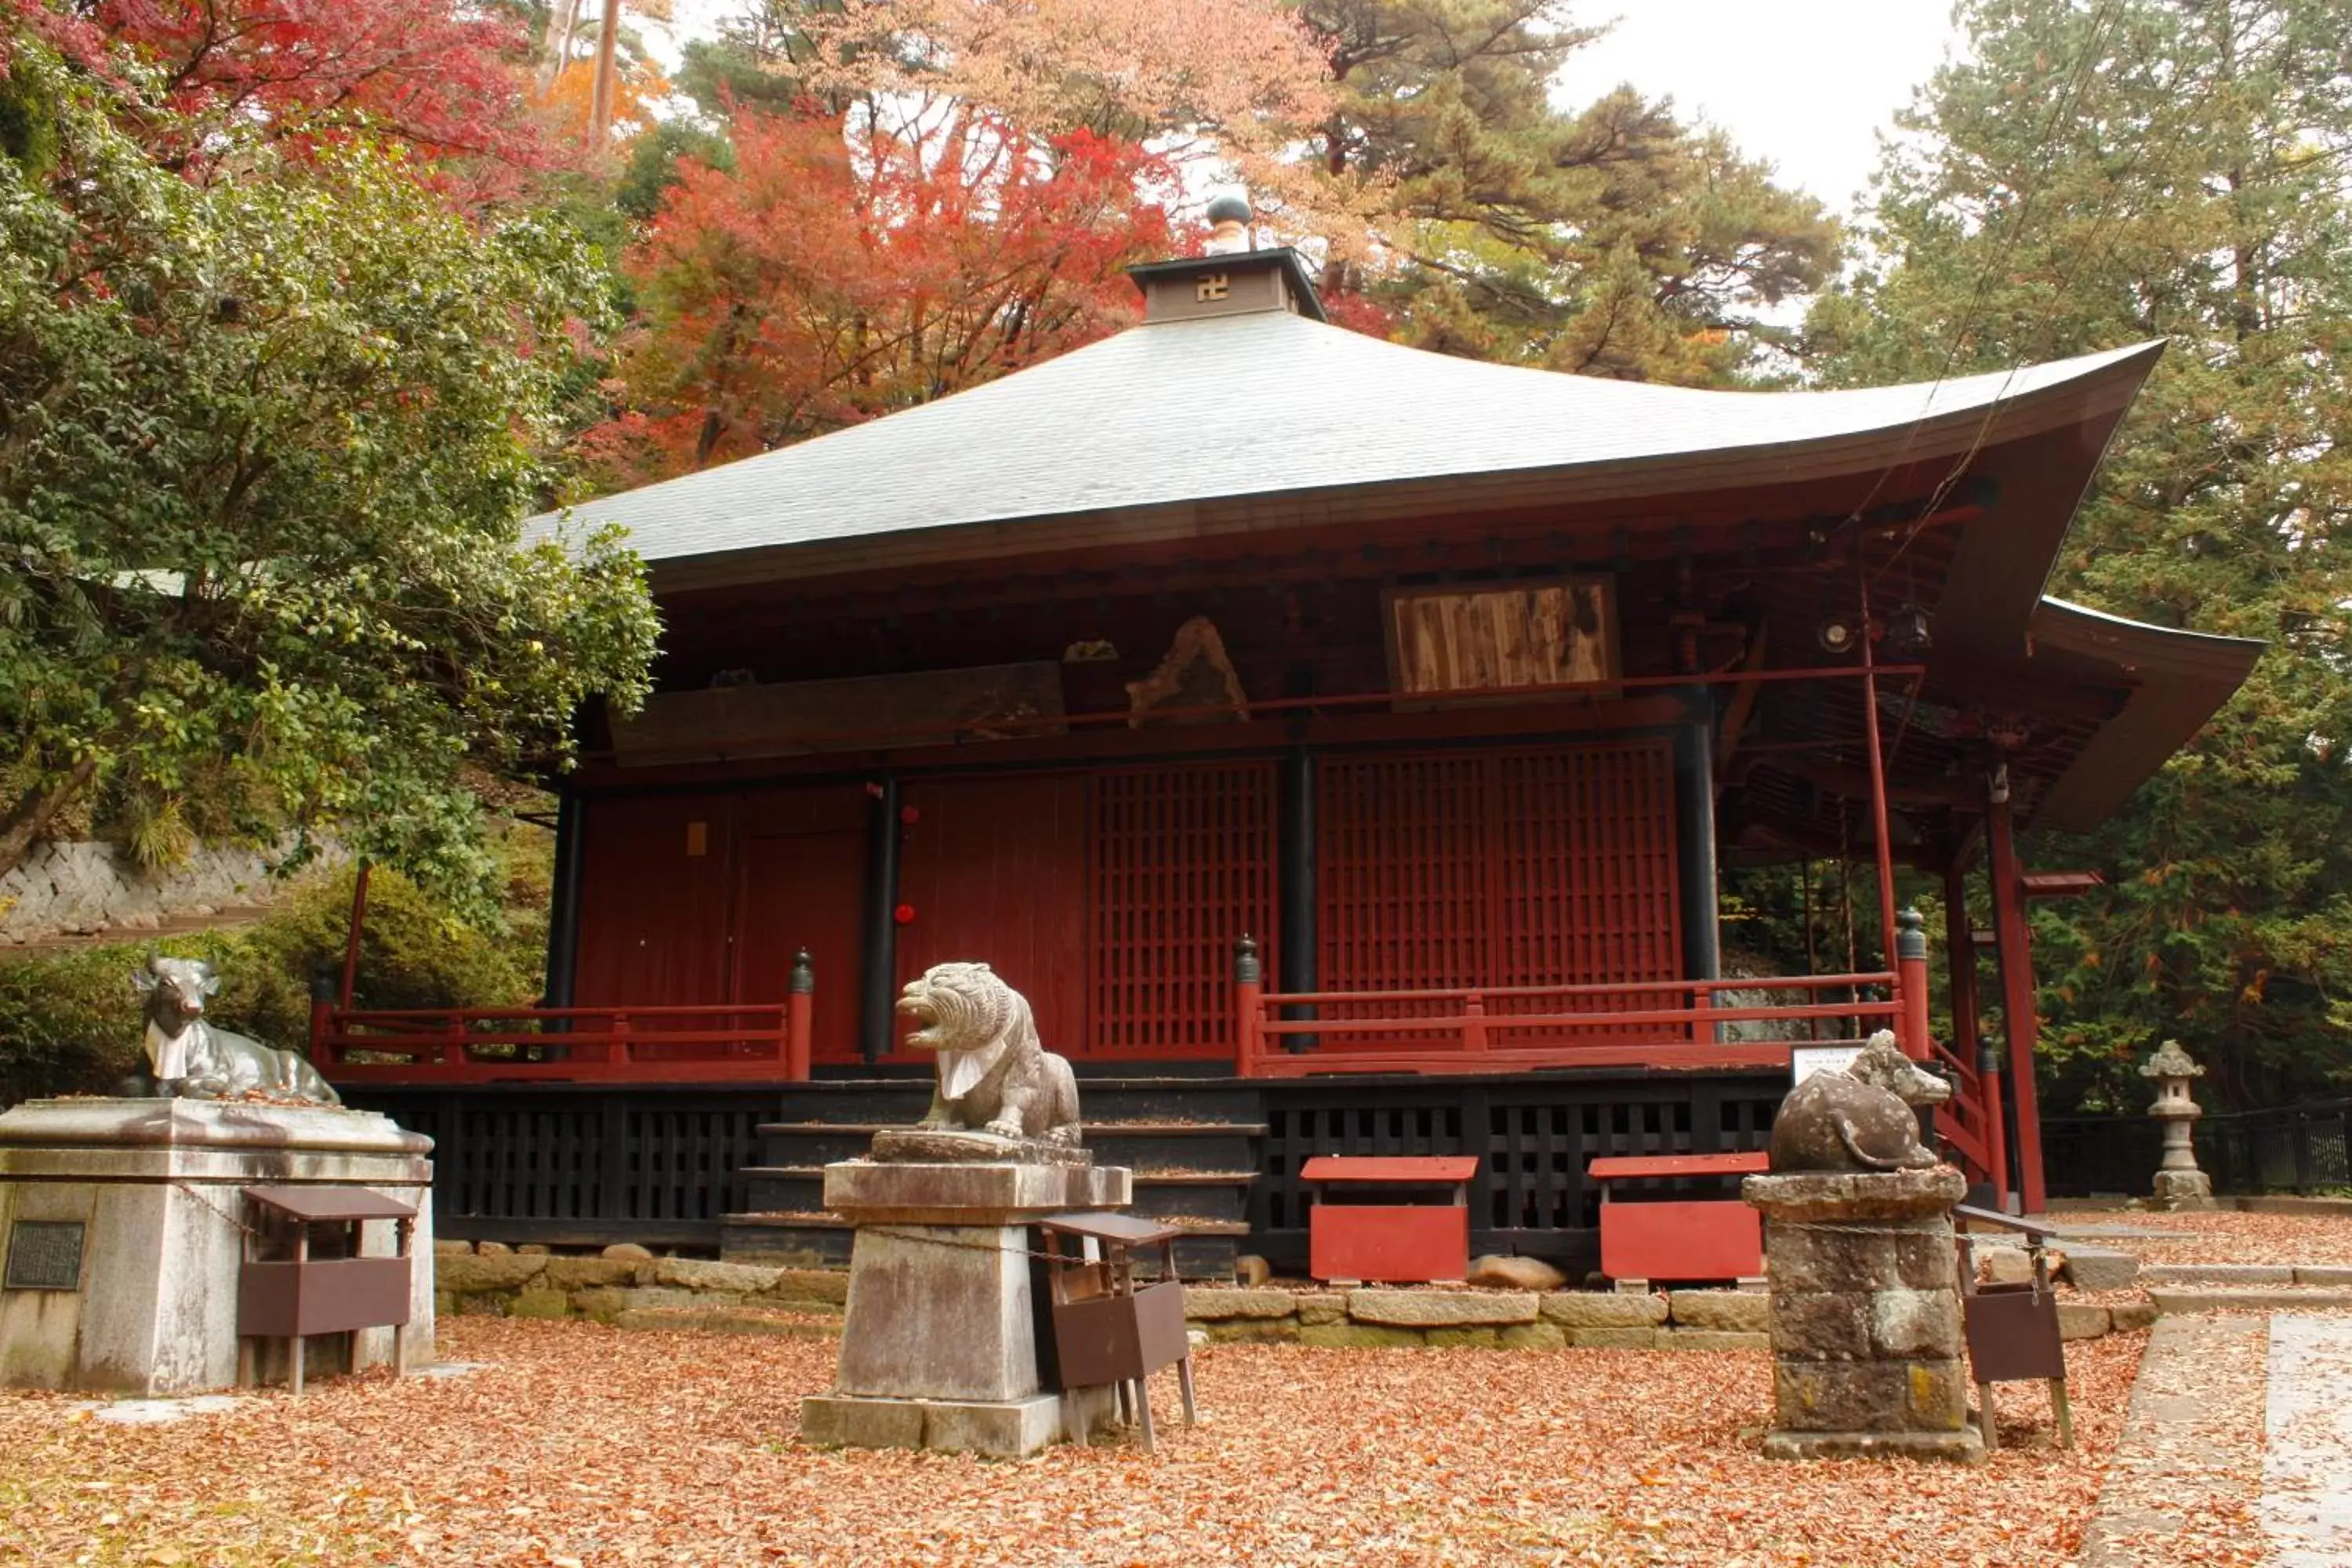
[(836, 274), (1227, 88), (637, 86)]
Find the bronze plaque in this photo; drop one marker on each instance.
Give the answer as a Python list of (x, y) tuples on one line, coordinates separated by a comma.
[(44, 1255)]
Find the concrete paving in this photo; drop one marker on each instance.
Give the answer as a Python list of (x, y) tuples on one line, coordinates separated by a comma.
[(2175, 1460), (2306, 1502), (2183, 1455)]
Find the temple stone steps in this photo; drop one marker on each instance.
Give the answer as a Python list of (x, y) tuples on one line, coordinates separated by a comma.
[(1193, 1144)]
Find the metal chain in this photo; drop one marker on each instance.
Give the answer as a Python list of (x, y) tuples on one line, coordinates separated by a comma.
[(897, 1235), (1853, 1227), (197, 1193)]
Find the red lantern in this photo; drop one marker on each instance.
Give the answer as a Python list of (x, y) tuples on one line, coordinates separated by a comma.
[(904, 914)]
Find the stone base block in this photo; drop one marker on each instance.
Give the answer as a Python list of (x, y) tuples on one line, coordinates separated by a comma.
[(998, 1428), (137, 1208), (868, 1193), (1964, 1447), (1857, 1397)]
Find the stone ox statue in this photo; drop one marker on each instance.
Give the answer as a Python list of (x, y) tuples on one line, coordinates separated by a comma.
[(189, 1057), (1859, 1118), (993, 1075)]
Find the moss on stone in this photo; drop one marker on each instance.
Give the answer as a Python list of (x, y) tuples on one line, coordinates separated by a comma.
[(1532, 1337), (1359, 1336), (1251, 1331)]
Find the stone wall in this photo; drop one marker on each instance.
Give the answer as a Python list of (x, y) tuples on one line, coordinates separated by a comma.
[(630, 1287), (94, 889), (635, 1289)]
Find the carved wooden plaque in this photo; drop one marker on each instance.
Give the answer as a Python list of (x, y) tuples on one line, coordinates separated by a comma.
[(1463, 638), (930, 708), (44, 1255)]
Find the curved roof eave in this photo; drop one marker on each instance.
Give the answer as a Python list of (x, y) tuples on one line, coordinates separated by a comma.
[(2182, 680), (1268, 420)]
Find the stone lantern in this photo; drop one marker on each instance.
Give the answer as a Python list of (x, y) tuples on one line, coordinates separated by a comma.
[(2179, 1184)]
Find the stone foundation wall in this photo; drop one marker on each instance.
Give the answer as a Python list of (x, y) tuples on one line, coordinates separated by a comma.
[(635, 1289), (630, 1287)]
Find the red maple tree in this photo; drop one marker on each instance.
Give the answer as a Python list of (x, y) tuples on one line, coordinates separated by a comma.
[(440, 75), (837, 272)]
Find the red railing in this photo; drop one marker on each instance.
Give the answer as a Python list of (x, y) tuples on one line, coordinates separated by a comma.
[(1512, 1028), (1963, 1122), (697, 1043)]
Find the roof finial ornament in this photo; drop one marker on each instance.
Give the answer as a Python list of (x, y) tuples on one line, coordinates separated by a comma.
[(1229, 225)]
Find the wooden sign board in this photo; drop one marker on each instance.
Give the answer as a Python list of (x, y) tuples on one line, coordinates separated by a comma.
[(1459, 639), (1804, 1061), (930, 708)]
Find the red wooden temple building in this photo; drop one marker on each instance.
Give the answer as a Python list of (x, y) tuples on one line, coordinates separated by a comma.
[(1451, 688)]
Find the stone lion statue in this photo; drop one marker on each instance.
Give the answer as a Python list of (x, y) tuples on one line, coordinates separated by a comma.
[(189, 1057), (993, 1075), (1860, 1118)]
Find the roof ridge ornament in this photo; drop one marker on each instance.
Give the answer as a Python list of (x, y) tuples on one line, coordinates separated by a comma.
[(1231, 276), (1229, 226)]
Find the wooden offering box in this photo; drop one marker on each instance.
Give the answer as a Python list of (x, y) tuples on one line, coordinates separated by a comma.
[(297, 1281), (1109, 1328), (1350, 1238), (1679, 1238)]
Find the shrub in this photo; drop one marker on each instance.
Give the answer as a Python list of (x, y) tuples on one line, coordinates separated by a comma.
[(69, 1020)]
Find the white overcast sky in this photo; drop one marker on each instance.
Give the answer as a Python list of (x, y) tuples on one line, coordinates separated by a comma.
[(1804, 85)]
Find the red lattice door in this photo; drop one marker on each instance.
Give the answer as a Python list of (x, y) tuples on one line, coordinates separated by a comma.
[(1182, 864), (1522, 869)]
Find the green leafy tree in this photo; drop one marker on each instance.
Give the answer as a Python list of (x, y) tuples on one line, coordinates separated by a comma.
[(264, 443), (2095, 174), (1613, 241)]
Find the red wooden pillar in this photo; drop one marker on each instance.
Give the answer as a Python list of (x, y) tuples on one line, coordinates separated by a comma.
[(352, 937), (1249, 986), (1961, 958), (799, 1011), (1878, 820), (2014, 944), (1911, 985), (322, 1008)]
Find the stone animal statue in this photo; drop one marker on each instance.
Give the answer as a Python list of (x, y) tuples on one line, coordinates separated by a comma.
[(190, 1057), (993, 1075), (1859, 1118)]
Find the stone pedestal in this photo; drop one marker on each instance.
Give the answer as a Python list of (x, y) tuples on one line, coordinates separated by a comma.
[(1866, 1347), (121, 1222), (938, 1348)]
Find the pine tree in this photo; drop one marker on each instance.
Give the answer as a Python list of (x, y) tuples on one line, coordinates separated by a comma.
[(2098, 172), (1614, 241)]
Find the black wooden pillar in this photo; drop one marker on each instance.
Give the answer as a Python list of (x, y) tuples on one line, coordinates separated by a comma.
[(1295, 883), (1694, 837), (564, 910), (877, 977)]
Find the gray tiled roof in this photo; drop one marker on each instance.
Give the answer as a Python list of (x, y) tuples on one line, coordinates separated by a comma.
[(1247, 405)]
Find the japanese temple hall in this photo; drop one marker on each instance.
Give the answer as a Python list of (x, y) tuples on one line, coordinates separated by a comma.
[(1342, 746)]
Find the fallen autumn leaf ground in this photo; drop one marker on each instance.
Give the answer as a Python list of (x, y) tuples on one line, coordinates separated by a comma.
[(577, 1444), (2228, 1237)]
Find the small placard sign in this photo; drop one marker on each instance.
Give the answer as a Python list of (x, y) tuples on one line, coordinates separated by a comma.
[(1804, 1061), (44, 1255)]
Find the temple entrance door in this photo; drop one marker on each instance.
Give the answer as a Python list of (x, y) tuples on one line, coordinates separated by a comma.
[(993, 870), (802, 871)]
